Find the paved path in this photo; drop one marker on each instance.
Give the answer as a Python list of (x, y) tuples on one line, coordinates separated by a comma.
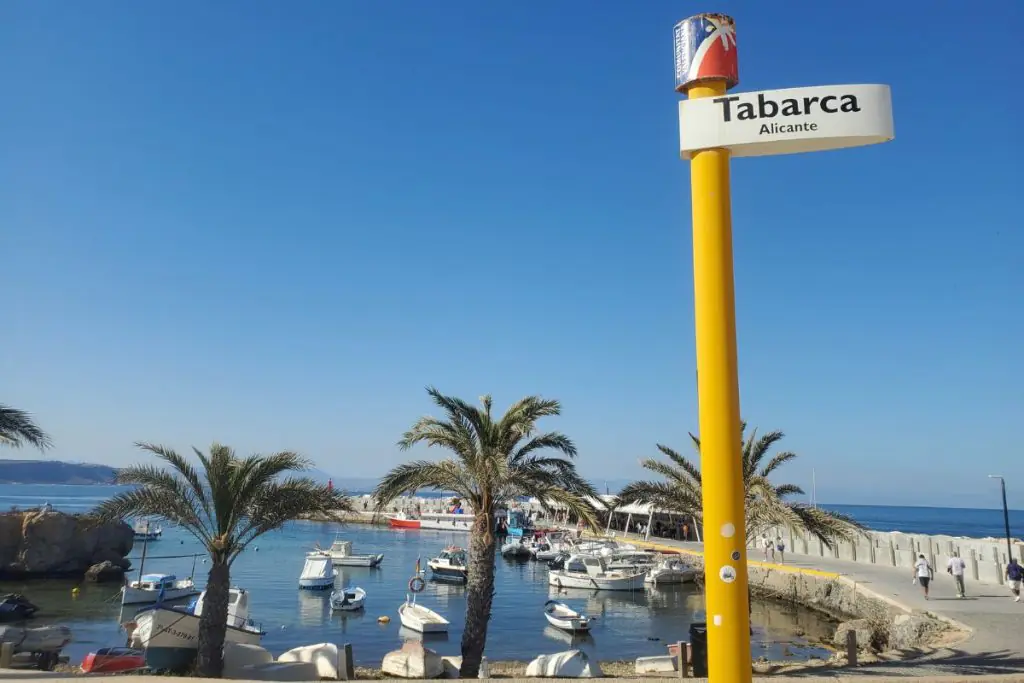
[(995, 646)]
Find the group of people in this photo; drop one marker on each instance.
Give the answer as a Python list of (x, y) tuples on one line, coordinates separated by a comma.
[(923, 574), (770, 547)]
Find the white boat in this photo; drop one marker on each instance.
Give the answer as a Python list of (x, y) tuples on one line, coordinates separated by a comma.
[(432, 520), (591, 572), (421, 619), (671, 570), (638, 560), (340, 553), (562, 616), (318, 573), (450, 565), (170, 636), (515, 548), (348, 599), (157, 588), (603, 548), (147, 531)]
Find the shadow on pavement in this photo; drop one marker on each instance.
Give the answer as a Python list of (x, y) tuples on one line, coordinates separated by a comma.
[(949, 662)]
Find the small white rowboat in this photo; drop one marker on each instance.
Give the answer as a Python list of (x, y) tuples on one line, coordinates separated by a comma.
[(562, 616)]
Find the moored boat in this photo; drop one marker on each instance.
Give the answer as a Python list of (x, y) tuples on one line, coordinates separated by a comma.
[(145, 530), (515, 548), (671, 570), (564, 617), (317, 573), (341, 554), (348, 599), (591, 572), (157, 587), (450, 565), (421, 619)]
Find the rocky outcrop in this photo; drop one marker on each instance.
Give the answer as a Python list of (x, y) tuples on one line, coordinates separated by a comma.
[(48, 544)]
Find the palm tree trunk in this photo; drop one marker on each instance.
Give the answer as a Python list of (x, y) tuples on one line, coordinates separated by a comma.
[(213, 624), (479, 595)]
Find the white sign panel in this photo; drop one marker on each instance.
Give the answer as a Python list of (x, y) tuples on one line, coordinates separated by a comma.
[(787, 121)]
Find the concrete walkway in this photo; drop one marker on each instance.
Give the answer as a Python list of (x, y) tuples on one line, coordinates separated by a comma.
[(995, 646)]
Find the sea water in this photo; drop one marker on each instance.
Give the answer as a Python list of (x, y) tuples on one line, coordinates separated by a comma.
[(627, 624)]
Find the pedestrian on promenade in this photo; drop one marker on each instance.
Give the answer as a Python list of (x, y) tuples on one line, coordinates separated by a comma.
[(780, 545), (923, 573), (1014, 575), (956, 567), (769, 547)]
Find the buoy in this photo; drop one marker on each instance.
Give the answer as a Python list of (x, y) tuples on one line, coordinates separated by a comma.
[(74, 591), (417, 584), (384, 620)]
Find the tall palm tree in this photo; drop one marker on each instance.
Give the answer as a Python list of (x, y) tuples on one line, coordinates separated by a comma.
[(494, 461), (17, 429), (233, 501), (766, 505)]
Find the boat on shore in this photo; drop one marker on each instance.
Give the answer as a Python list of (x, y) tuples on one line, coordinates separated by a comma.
[(169, 636), (157, 588), (421, 619), (112, 660), (591, 572), (451, 565), (432, 520)]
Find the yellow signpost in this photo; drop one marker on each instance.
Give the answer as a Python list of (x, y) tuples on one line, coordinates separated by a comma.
[(713, 127)]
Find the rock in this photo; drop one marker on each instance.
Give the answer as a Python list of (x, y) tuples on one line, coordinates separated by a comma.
[(568, 664), (104, 571), (862, 627), (657, 664), (910, 630), (38, 544), (412, 661)]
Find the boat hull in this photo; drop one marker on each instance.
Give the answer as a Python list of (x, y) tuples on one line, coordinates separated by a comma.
[(563, 579), (357, 560), (316, 584), (139, 596), (577, 625), (396, 523), (411, 621), (171, 638)]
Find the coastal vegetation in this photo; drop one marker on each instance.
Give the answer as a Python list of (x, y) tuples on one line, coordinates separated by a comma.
[(680, 491), (229, 504), (494, 461), (17, 428)]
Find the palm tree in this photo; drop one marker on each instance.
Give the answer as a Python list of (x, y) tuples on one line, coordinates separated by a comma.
[(494, 462), (766, 505), (234, 501), (17, 429)]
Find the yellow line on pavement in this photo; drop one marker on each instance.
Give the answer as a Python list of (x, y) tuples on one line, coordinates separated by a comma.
[(755, 563)]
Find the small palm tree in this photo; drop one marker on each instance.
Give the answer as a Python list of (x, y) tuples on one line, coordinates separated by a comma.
[(766, 505), (235, 501), (494, 462), (17, 429)]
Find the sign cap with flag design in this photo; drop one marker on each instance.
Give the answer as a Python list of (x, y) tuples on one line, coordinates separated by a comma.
[(705, 50)]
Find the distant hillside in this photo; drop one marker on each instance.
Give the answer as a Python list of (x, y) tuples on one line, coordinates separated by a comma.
[(54, 472)]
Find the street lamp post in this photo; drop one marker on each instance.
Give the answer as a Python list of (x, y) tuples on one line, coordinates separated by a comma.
[(1006, 514)]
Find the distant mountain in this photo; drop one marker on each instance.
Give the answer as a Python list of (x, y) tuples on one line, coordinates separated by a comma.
[(54, 472)]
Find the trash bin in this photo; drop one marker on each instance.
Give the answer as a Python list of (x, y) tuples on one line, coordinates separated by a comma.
[(699, 649)]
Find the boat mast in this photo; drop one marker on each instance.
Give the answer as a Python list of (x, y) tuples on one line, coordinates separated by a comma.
[(814, 493), (145, 542)]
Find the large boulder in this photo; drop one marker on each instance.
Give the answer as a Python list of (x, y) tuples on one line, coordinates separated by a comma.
[(46, 543), (911, 630), (568, 664), (104, 571), (862, 627)]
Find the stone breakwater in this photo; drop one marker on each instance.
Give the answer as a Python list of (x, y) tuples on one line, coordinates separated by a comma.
[(49, 544)]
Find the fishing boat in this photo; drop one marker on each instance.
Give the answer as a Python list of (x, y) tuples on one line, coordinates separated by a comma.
[(341, 554), (671, 570), (517, 524), (169, 636), (591, 571), (450, 565), (437, 521), (348, 599), (564, 617), (109, 660), (421, 619), (317, 573), (145, 530), (157, 587), (638, 560), (515, 548)]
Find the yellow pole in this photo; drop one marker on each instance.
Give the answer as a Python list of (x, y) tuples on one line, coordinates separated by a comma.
[(725, 553)]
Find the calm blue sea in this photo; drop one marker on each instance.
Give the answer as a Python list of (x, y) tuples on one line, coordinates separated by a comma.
[(628, 625)]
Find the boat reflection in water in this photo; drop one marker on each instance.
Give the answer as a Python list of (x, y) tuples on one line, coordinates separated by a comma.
[(425, 638), (349, 620), (314, 607), (573, 640)]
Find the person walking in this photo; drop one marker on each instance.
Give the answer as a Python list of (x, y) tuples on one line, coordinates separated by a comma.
[(769, 547), (956, 567), (923, 573), (780, 546), (1014, 575)]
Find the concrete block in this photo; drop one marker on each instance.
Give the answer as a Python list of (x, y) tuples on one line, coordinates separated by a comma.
[(656, 665)]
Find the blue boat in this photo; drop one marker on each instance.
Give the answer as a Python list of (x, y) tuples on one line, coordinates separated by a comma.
[(517, 523)]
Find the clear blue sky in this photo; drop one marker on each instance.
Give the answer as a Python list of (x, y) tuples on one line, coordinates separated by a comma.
[(272, 224)]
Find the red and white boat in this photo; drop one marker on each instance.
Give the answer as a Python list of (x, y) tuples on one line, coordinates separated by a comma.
[(432, 520)]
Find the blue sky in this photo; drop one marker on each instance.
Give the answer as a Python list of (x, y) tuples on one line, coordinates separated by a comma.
[(272, 224)]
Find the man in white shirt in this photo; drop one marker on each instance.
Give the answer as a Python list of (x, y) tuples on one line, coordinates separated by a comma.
[(923, 573), (956, 567)]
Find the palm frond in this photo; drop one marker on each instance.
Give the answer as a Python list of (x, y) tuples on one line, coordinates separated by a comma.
[(185, 469), (682, 462), (757, 447), (777, 461), (251, 475), (160, 502), (17, 428), (277, 503), (407, 478), (553, 440)]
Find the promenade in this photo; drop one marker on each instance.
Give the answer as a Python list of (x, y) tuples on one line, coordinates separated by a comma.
[(996, 642)]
